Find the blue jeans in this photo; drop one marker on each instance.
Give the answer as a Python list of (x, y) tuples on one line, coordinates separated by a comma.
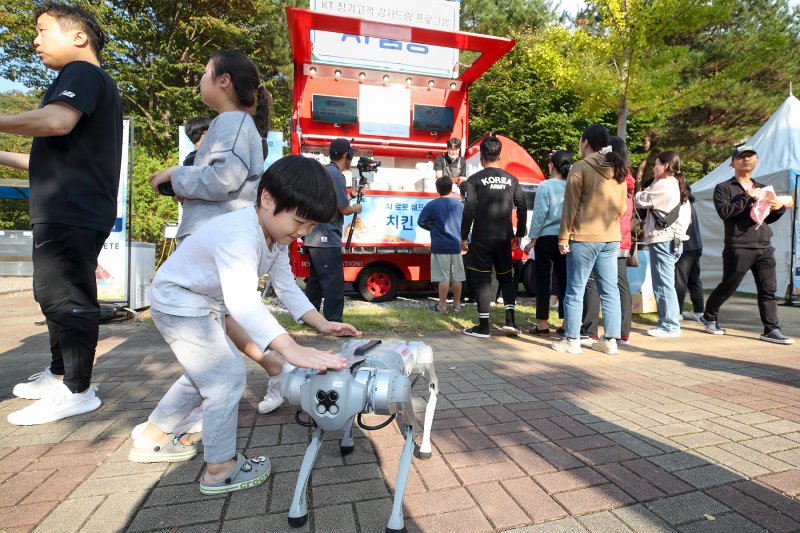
[(662, 268), (582, 258)]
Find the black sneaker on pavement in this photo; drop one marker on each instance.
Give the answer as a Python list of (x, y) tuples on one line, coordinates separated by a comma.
[(511, 329), (777, 337), (711, 326), (475, 331)]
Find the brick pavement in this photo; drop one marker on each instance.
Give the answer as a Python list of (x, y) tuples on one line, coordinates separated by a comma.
[(700, 433)]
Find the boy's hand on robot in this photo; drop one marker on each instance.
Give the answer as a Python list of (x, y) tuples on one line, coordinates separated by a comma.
[(339, 329), (305, 357)]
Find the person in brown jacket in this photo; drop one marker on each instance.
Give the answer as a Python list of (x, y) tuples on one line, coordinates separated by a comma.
[(589, 235)]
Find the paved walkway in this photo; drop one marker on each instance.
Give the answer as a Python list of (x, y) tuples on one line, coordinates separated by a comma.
[(695, 434)]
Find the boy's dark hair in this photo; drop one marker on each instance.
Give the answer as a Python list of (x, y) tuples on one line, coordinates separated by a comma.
[(300, 184), (598, 138), (444, 186), (490, 149), (453, 142), (196, 127), (74, 18), (246, 83)]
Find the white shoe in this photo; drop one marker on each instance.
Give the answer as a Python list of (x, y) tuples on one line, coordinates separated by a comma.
[(608, 346), (39, 385), (661, 332), (571, 346), (60, 403), (272, 399), (690, 315)]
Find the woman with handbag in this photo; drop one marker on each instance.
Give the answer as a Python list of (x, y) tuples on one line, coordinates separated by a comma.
[(591, 298), (668, 218)]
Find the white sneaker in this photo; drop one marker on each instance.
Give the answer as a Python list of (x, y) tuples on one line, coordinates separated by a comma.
[(571, 346), (608, 346), (60, 403), (661, 332), (39, 385), (272, 399)]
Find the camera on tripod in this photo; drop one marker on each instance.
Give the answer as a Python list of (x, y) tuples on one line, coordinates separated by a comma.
[(367, 167)]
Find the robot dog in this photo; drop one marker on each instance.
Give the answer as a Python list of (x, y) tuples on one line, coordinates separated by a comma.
[(376, 380)]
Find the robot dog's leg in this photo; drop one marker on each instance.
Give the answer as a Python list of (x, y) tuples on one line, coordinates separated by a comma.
[(396, 519), (346, 447), (433, 388), (298, 512)]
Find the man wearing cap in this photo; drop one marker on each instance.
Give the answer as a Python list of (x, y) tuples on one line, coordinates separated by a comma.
[(324, 243), (451, 165), (747, 246)]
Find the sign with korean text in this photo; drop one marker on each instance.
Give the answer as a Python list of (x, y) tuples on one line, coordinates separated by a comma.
[(389, 220), (112, 263), (362, 51)]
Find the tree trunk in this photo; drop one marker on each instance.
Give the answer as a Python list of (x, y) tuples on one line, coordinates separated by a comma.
[(622, 116), (648, 139)]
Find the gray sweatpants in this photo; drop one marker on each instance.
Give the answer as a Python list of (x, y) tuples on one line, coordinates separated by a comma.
[(214, 376)]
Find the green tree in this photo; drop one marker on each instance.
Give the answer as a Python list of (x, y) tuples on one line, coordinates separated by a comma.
[(758, 45), (500, 18), (157, 51), (15, 214)]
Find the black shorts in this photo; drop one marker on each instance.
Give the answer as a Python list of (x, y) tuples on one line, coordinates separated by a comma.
[(489, 253)]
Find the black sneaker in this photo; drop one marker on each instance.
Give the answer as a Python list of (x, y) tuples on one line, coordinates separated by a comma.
[(711, 326), (540, 332), (511, 329), (777, 337), (475, 331)]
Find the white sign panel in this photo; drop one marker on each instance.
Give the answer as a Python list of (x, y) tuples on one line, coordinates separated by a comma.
[(384, 111), (395, 54), (112, 264)]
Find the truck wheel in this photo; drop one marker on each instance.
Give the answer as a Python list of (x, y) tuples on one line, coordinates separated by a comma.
[(529, 277), (377, 284)]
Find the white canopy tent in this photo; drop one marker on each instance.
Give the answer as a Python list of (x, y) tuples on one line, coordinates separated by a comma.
[(778, 147)]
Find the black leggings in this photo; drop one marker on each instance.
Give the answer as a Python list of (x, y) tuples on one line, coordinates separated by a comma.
[(549, 258)]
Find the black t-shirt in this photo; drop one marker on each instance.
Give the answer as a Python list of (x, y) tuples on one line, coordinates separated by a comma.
[(491, 195), (451, 168), (74, 178)]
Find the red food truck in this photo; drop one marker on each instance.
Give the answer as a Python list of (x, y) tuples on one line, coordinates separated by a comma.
[(354, 78)]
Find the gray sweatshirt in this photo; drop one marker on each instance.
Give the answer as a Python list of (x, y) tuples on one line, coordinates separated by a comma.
[(225, 174)]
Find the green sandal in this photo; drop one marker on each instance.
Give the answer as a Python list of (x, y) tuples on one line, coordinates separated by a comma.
[(169, 450), (247, 473)]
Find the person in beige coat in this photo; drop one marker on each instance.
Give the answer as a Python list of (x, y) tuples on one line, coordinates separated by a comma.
[(589, 235)]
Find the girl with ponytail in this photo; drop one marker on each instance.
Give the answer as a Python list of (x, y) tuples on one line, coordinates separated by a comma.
[(668, 217), (545, 221), (230, 159), (226, 172)]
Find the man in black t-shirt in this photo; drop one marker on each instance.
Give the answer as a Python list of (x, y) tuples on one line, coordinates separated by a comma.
[(451, 165), (491, 196), (74, 169)]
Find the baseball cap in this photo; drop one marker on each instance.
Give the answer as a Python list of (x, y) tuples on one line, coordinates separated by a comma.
[(339, 146), (743, 149)]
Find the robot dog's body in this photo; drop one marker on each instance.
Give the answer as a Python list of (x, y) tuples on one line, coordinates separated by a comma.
[(377, 381)]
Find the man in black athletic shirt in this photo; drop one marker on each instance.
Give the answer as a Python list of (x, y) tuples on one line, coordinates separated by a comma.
[(491, 195), (74, 168)]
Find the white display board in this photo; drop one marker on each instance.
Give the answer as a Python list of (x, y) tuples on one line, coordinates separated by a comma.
[(384, 111), (112, 264), (396, 54)]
